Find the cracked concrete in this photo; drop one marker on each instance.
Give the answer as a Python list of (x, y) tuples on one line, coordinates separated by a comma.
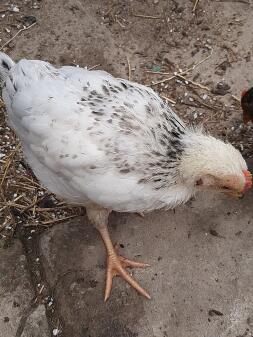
[(200, 278), (18, 315), (36, 324)]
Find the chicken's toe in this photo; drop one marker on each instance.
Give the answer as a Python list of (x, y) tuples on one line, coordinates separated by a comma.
[(116, 267)]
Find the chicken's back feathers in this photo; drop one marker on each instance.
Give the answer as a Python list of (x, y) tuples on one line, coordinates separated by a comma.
[(6, 64), (90, 137)]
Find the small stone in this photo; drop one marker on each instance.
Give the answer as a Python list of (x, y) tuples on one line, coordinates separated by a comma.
[(56, 332), (15, 9), (220, 88), (250, 321), (214, 312), (29, 19), (219, 72), (168, 59)]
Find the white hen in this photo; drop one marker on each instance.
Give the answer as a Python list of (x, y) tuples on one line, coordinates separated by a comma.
[(110, 144)]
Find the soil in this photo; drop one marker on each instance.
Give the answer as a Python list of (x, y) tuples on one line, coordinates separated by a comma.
[(147, 41)]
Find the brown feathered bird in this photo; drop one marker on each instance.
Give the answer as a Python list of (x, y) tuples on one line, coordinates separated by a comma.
[(247, 105)]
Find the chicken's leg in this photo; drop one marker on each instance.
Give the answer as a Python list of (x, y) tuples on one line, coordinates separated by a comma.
[(115, 264)]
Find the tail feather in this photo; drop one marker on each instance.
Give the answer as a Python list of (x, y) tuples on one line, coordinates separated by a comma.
[(6, 64)]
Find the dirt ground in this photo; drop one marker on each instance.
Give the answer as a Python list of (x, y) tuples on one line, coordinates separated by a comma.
[(200, 59)]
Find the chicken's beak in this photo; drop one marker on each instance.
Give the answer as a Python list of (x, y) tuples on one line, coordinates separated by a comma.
[(247, 185), (248, 180)]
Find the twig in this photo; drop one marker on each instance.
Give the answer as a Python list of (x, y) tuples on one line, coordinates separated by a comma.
[(168, 99), (20, 31), (193, 83), (195, 5), (247, 2), (2, 105), (117, 20), (51, 222), (236, 98), (109, 10), (164, 80), (41, 289), (157, 72), (206, 105), (95, 66), (52, 209), (129, 69), (8, 164), (184, 72), (146, 16), (12, 203), (201, 61), (35, 202), (23, 187), (34, 183)]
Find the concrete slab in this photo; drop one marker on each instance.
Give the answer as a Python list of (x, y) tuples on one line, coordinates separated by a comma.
[(17, 315), (200, 279), (36, 324)]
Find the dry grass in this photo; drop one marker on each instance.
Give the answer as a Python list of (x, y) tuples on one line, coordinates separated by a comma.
[(23, 201)]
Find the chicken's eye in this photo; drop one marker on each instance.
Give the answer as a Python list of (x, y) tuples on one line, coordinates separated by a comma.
[(5, 65)]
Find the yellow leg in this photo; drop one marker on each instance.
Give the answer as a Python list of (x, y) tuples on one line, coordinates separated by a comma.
[(116, 266)]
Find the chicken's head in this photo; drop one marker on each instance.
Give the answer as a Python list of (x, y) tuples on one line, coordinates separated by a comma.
[(210, 164), (231, 184)]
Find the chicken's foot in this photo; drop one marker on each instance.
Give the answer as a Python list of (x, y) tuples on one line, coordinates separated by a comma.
[(116, 265)]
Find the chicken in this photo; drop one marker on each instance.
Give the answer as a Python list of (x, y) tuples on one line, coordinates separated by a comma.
[(110, 144), (247, 105)]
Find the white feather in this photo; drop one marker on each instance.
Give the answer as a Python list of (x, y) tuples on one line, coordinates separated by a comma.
[(89, 142)]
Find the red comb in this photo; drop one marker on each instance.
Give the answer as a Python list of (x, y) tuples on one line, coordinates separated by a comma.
[(248, 180), (243, 92)]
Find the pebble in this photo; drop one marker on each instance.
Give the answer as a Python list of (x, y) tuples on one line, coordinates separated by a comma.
[(29, 19), (168, 59), (56, 332), (15, 9), (221, 88)]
